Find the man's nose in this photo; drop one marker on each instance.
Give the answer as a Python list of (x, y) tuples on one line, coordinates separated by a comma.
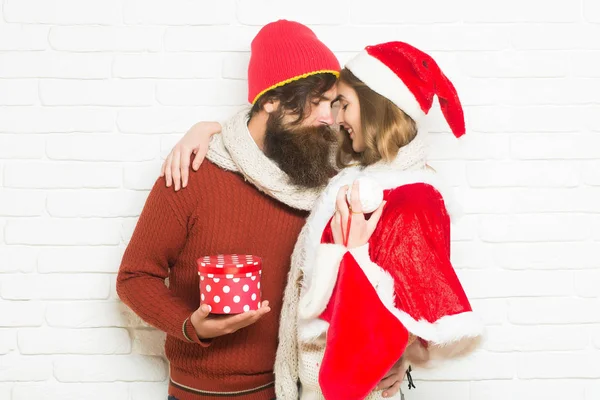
[(327, 116)]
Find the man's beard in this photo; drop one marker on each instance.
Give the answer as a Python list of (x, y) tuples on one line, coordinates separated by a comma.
[(303, 153)]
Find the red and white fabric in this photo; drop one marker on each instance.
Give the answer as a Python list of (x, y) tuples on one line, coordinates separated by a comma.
[(230, 283), (400, 283)]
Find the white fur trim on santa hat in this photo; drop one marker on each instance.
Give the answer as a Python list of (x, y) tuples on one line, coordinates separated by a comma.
[(384, 81)]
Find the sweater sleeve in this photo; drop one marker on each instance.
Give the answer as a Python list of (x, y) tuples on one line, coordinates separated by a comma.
[(157, 240)]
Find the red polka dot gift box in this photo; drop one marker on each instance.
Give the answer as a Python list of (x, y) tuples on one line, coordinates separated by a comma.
[(230, 283)]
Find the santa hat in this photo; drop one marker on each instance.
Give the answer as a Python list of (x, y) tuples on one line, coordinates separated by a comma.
[(410, 79), (283, 52)]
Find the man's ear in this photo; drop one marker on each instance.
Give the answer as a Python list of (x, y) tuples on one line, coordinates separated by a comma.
[(270, 106)]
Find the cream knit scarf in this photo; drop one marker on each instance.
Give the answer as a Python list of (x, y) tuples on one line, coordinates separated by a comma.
[(235, 150)]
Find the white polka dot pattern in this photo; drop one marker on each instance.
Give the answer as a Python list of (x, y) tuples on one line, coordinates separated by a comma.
[(230, 292)]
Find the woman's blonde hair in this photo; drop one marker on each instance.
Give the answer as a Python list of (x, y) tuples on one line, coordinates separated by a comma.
[(384, 126)]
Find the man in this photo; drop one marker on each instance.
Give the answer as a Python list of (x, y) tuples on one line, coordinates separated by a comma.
[(251, 197)]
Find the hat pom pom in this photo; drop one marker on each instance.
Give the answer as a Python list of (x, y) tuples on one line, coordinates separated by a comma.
[(371, 194)]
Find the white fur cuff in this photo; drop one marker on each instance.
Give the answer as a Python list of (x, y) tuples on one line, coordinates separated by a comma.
[(322, 280), (361, 254)]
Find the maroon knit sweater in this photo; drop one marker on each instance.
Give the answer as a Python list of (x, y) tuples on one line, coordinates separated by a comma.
[(218, 213)]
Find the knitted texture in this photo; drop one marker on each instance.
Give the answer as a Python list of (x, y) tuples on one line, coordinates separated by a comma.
[(284, 51), (219, 212), (235, 150), (312, 356)]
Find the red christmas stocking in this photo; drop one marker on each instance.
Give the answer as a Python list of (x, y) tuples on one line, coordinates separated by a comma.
[(364, 339)]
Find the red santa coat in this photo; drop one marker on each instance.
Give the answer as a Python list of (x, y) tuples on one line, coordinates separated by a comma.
[(369, 299)]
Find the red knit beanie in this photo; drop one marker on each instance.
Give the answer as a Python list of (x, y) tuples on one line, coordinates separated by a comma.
[(285, 51)]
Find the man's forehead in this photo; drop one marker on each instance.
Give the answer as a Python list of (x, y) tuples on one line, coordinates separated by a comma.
[(330, 95)]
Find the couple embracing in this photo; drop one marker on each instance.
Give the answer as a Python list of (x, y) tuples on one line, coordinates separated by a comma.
[(325, 177)]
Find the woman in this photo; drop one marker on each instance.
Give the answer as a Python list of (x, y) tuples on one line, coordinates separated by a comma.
[(364, 292)]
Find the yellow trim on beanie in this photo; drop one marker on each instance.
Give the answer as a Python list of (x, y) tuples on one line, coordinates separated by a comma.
[(295, 78)]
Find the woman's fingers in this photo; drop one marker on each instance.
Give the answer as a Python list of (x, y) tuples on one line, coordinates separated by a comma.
[(387, 382), (392, 390), (168, 169), (197, 160), (186, 154), (342, 214), (336, 229), (175, 170), (372, 222), (340, 202), (355, 198), (162, 168)]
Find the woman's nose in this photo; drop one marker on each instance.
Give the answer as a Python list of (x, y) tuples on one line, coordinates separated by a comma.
[(339, 118)]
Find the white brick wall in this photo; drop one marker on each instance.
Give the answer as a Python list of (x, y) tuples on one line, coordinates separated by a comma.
[(94, 93)]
